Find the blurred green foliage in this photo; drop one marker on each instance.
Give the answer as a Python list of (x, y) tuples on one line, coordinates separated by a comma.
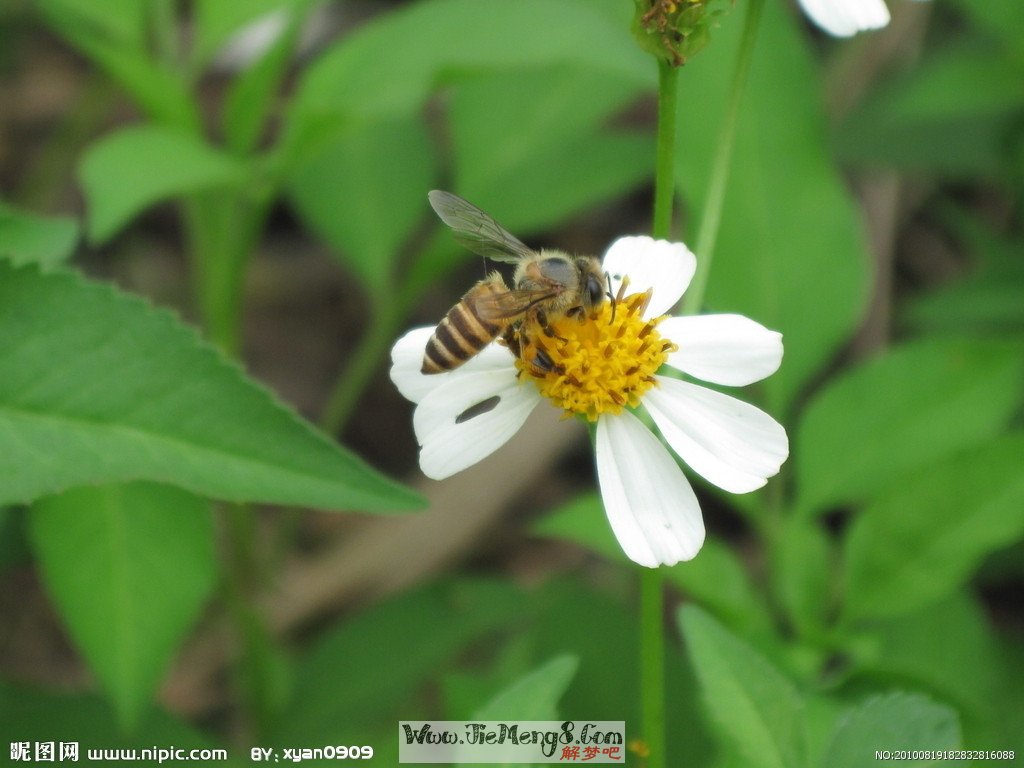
[(849, 619)]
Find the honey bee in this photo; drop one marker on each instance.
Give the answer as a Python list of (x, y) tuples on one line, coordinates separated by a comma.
[(547, 285)]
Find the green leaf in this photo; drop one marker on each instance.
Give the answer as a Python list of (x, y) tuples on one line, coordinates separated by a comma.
[(897, 721), (380, 657), (534, 696), (1003, 19), (989, 298), (216, 22), (517, 134), (97, 386), (253, 92), (790, 251), (804, 574), (952, 114), (123, 21), (33, 715), (716, 577), (582, 521), (560, 181), (598, 624), (947, 649), (26, 237), (128, 171), (366, 192), (901, 411), (14, 550), (129, 566), (918, 543), (755, 708), (392, 64), (532, 147), (112, 34)]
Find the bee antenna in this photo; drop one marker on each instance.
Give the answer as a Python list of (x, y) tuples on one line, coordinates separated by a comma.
[(611, 296)]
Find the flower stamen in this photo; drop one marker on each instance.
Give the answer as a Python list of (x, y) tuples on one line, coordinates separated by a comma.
[(594, 364)]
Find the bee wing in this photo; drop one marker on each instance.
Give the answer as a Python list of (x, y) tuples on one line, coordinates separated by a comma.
[(506, 306), (476, 230)]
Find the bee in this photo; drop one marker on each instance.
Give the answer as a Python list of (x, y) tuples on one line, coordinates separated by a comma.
[(547, 285)]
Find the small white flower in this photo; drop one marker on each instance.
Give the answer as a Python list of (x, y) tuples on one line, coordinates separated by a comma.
[(601, 368), (844, 18)]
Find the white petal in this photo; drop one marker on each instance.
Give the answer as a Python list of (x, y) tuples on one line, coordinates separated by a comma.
[(449, 446), (407, 360), (666, 267), (724, 349), (844, 18), (730, 443), (650, 505)]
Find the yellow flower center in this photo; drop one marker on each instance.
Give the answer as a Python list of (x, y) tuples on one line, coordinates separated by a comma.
[(595, 364)]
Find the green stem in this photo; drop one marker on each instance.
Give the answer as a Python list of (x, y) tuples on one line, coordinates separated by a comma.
[(707, 233), (222, 234), (361, 366), (652, 629), (164, 28), (664, 169), (652, 665), (222, 231)]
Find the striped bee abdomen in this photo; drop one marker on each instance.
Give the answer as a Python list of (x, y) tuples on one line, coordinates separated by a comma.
[(463, 332)]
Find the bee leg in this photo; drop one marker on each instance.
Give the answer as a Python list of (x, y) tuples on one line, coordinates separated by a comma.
[(542, 321), (511, 340), (579, 313), (542, 364)]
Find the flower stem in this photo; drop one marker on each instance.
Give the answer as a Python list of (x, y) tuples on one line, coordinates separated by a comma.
[(362, 365), (652, 630), (707, 233), (664, 167), (652, 665)]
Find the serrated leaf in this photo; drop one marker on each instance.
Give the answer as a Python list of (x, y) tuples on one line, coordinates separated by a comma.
[(901, 411), (366, 192), (129, 566), (754, 707), (790, 251), (26, 237), (126, 172), (916, 544), (896, 721), (97, 386)]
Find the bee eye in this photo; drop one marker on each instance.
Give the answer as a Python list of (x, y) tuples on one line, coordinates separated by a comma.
[(595, 291)]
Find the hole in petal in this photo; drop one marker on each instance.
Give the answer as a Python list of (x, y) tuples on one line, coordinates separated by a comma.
[(479, 409)]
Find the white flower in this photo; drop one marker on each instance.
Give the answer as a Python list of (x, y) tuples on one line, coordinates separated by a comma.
[(602, 368), (844, 18)]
